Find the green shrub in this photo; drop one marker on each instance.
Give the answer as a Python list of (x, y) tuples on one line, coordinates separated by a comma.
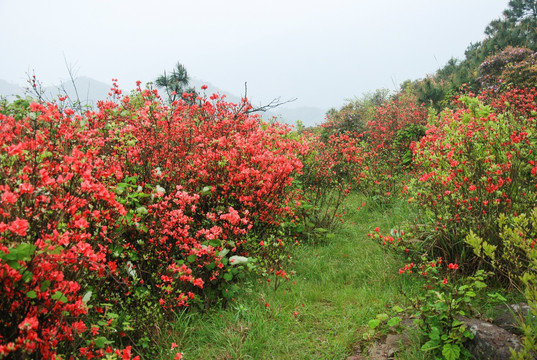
[(475, 163), (517, 260)]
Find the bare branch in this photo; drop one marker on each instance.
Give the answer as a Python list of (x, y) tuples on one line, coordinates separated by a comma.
[(77, 103), (274, 103), (36, 87)]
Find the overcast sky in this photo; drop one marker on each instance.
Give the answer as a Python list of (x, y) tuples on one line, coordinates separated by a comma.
[(321, 52)]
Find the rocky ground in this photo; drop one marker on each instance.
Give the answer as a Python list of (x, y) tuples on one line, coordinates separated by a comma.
[(492, 340)]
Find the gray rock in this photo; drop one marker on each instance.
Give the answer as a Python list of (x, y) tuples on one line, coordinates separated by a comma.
[(510, 316), (490, 341)]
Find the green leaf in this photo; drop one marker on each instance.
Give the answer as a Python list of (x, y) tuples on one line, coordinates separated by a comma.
[(31, 294), (394, 321), (44, 285), (131, 179), (14, 264), (470, 294), (22, 252), (456, 323), (497, 296), (112, 315), (451, 351), (101, 341), (228, 276), (480, 284), (382, 317), (434, 334), (430, 345), (59, 296), (27, 276), (57, 250), (191, 258), (120, 188), (142, 210), (215, 243), (373, 324)]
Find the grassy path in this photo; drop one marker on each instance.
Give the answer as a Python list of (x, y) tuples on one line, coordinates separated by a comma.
[(339, 286)]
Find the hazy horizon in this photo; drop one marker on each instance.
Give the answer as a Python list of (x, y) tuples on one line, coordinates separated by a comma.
[(322, 53)]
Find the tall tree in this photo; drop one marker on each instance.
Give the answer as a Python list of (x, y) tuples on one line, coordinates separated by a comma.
[(175, 83), (518, 28)]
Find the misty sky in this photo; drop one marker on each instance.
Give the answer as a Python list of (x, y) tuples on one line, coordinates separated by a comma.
[(321, 52)]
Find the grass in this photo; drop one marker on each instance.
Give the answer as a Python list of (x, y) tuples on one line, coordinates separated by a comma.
[(321, 313)]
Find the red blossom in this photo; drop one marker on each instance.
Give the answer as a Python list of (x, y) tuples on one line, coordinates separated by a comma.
[(18, 226)]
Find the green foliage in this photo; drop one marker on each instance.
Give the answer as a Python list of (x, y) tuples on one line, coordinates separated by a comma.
[(438, 309), (354, 116), (328, 168), (338, 287), (403, 140), (517, 259), (516, 29), (475, 164), (175, 83), (510, 67)]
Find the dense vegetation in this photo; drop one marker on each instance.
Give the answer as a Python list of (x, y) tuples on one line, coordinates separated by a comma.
[(121, 225)]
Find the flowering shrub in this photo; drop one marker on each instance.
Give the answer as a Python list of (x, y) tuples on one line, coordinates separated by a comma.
[(512, 66), (377, 134), (520, 102), (112, 219), (354, 115), (475, 163), (386, 154), (327, 178), (445, 299), (55, 209), (518, 262), (234, 176)]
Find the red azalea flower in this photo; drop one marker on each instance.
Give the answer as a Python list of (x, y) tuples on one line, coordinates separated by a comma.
[(18, 227)]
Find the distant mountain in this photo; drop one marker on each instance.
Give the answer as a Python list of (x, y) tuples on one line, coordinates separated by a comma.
[(10, 90), (85, 89), (289, 114), (211, 89), (309, 116), (89, 91)]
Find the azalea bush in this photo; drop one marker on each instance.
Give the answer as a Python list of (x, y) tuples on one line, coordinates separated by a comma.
[(56, 211), (113, 219), (445, 297), (512, 66), (439, 308), (379, 132), (475, 163), (326, 180), (387, 156), (517, 261)]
